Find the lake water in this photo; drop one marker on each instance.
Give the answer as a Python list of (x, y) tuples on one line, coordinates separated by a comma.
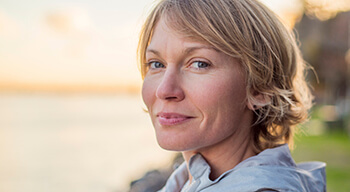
[(75, 143)]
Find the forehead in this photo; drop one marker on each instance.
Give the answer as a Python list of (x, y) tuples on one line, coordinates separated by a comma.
[(165, 32)]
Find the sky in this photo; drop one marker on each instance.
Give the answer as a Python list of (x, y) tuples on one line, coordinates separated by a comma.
[(70, 42), (78, 42)]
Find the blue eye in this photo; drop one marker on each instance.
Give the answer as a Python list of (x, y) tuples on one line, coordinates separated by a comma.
[(200, 65), (155, 65)]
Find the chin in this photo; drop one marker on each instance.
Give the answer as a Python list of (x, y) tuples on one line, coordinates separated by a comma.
[(177, 145), (173, 145)]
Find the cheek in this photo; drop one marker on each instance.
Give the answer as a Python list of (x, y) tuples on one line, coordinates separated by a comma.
[(148, 93), (220, 94), (221, 101)]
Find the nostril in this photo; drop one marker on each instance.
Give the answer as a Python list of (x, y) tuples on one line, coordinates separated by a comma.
[(171, 98)]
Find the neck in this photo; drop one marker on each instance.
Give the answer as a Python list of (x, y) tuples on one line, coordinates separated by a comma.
[(226, 154)]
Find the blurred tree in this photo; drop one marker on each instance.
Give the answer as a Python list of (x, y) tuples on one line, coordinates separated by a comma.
[(325, 9), (324, 31)]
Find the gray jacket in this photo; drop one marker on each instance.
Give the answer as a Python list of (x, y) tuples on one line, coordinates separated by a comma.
[(271, 170)]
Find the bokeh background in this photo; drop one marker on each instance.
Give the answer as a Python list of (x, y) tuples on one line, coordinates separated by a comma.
[(71, 115)]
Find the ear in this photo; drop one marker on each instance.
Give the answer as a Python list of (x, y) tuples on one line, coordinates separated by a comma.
[(258, 100)]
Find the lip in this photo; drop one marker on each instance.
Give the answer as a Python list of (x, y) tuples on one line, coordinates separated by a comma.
[(168, 119)]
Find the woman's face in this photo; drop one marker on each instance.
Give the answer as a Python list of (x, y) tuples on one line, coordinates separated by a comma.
[(195, 94)]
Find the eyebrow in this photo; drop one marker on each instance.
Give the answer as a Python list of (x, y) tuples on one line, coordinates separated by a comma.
[(187, 50), (192, 49)]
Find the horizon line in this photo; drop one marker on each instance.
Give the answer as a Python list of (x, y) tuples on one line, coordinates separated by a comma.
[(62, 88)]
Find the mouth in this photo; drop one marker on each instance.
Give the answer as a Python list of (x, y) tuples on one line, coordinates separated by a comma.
[(168, 119)]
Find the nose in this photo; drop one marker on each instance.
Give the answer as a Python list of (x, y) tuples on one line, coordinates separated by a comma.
[(170, 87)]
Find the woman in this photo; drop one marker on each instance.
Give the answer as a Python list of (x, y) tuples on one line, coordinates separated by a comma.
[(224, 84)]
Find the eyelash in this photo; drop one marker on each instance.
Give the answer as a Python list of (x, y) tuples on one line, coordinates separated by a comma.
[(207, 65), (158, 65), (149, 65)]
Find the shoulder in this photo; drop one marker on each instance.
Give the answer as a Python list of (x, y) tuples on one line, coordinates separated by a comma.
[(275, 170), (273, 178)]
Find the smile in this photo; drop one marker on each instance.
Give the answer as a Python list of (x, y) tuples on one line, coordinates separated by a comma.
[(168, 119)]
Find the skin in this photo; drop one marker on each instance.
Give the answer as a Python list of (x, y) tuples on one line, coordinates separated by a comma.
[(196, 98)]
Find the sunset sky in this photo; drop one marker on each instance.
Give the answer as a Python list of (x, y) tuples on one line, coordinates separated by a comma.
[(69, 42), (80, 42)]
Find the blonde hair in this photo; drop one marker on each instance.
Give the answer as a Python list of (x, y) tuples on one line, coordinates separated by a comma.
[(267, 50)]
